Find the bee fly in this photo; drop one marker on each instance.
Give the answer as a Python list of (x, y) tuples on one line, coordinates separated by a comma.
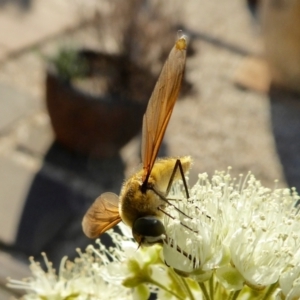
[(143, 196)]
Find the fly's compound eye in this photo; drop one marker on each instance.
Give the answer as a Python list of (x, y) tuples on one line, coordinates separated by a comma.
[(148, 230)]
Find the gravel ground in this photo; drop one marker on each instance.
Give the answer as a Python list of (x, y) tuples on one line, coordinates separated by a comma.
[(221, 125)]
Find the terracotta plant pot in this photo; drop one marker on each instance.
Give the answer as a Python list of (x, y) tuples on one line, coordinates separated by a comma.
[(99, 126), (281, 33)]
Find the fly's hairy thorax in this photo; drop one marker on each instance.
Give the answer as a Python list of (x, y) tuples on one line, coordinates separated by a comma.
[(135, 203)]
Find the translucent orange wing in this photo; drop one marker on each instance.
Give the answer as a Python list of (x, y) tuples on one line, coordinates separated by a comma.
[(161, 104), (102, 215)]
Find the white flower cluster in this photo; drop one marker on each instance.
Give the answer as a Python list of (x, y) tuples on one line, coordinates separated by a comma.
[(232, 239), (75, 280), (122, 272), (242, 234)]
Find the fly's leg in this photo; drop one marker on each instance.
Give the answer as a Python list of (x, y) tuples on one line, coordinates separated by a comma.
[(178, 165)]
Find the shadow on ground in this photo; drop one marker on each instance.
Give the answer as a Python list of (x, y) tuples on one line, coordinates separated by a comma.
[(285, 118), (59, 196), (22, 4)]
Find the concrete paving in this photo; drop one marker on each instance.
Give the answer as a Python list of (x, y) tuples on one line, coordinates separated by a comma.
[(15, 181), (26, 138), (15, 106), (24, 27)]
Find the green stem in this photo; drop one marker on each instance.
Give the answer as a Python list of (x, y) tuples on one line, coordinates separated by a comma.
[(270, 291), (165, 289), (211, 287), (204, 290), (177, 278), (234, 295), (188, 290), (218, 290)]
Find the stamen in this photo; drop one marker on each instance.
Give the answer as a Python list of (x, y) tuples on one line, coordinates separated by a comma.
[(170, 216)]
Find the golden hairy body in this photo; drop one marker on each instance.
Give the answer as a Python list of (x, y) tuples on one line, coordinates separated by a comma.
[(136, 203)]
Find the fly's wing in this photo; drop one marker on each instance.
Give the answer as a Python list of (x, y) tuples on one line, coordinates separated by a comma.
[(102, 215), (161, 104)]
